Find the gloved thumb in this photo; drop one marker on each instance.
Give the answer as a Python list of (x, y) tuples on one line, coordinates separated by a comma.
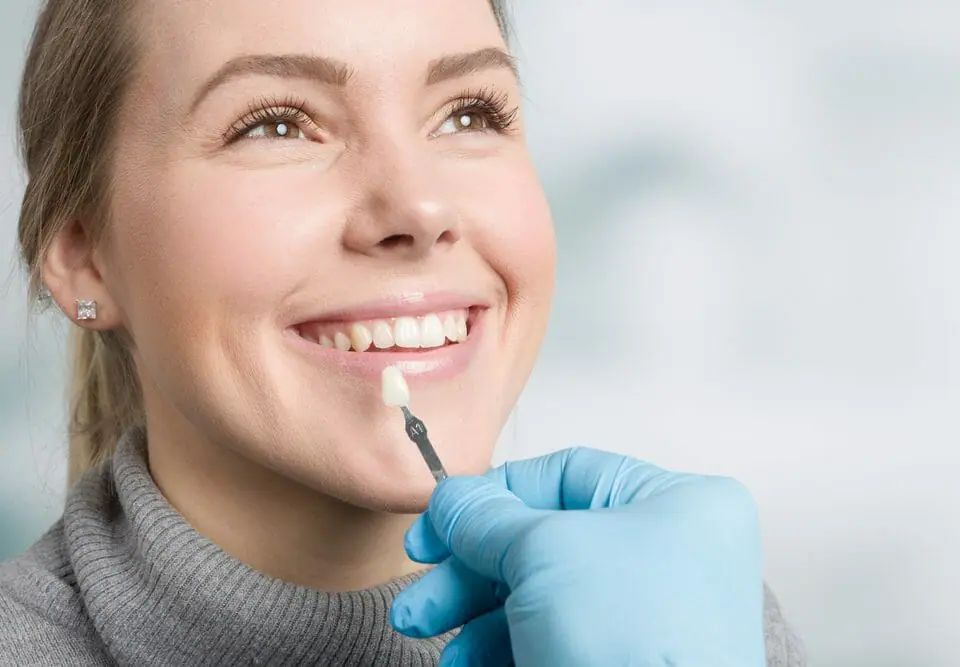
[(480, 522)]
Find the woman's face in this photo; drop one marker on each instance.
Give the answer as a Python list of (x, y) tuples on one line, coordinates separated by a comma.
[(297, 177)]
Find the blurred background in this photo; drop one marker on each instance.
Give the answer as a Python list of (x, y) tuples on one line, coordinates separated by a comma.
[(757, 217)]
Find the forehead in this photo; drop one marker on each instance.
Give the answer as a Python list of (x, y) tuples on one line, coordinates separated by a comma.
[(186, 40)]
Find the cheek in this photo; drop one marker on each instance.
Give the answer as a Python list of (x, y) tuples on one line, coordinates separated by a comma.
[(517, 235), (212, 239)]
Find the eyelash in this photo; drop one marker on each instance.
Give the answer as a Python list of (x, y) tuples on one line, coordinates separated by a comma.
[(492, 105), (266, 111)]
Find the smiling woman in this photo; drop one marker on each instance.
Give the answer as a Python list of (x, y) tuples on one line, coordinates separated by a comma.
[(258, 189), (246, 231)]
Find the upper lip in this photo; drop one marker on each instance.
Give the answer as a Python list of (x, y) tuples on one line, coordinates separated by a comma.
[(408, 304)]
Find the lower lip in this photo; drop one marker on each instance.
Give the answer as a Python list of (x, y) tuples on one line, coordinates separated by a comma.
[(441, 363)]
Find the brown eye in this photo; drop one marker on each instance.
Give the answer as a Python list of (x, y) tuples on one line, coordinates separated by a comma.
[(464, 121), (469, 120), (277, 129)]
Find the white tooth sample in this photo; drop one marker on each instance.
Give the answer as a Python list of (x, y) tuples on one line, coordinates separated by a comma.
[(360, 338), (450, 328), (382, 335), (431, 332), (394, 389), (462, 328), (341, 342), (406, 332), (326, 342)]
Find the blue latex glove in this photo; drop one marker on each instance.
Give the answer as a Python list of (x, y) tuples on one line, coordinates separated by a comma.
[(588, 558)]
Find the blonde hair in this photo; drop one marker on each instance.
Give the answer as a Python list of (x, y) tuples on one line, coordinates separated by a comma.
[(77, 71)]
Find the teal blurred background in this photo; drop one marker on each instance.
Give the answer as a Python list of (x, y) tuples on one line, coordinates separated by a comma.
[(757, 214)]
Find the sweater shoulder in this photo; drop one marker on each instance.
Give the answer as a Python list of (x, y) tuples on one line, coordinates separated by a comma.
[(41, 612), (784, 648)]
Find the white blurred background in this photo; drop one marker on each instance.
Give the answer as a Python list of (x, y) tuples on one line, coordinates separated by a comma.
[(757, 216)]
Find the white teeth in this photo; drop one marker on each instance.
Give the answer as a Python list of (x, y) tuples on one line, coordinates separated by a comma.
[(450, 328), (382, 335), (431, 332), (341, 342), (360, 338), (426, 332), (406, 332)]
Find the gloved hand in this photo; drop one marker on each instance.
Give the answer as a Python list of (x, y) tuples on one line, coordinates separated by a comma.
[(586, 558)]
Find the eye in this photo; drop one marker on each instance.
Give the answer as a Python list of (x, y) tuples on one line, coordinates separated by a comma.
[(273, 119), (484, 110), (464, 121), (277, 129)]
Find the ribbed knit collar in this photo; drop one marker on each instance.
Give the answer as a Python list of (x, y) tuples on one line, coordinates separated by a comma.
[(159, 593)]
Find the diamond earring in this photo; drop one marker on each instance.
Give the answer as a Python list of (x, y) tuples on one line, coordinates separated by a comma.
[(86, 310)]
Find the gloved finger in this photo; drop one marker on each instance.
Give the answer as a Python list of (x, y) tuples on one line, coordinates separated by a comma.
[(422, 543), (480, 522), (483, 641), (445, 598), (576, 478), (539, 482), (582, 478)]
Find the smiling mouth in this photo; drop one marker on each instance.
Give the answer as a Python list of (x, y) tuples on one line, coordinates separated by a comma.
[(425, 332)]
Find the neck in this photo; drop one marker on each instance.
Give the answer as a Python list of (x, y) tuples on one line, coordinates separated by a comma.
[(272, 523)]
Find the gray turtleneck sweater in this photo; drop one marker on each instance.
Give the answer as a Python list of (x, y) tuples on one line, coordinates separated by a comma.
[(122, 579)]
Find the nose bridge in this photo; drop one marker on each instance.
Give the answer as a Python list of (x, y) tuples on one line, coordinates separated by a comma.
[(406, 186), (403, 207)]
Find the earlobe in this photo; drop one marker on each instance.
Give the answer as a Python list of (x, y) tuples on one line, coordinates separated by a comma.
[(74, 282)]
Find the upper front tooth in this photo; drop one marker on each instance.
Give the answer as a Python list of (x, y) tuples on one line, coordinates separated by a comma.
[(431, 332), (341, 342), (360, 338), (462, 327), (450, 328), (406, 332), (382, 335)]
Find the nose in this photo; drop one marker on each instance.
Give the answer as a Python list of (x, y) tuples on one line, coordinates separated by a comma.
[(403, 214)]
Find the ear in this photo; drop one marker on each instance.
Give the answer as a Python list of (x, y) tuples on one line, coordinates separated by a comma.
[(75, 282)]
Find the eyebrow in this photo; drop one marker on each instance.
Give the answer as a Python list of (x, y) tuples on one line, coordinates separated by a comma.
[(296, 66), (332, 72), (459, 65)]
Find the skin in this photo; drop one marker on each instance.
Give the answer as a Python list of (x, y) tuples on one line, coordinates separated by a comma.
[(212, 250)]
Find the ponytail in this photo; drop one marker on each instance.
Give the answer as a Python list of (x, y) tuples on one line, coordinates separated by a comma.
[(105, 399), (77, 67)]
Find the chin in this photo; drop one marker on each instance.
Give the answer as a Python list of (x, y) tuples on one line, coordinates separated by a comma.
[(410, 500), (398, 482), (404, 495)]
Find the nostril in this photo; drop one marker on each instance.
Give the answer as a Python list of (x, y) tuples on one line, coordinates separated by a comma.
[(397, 241), (448, 236)]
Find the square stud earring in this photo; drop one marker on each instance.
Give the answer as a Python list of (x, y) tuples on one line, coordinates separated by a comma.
[(86, 310), (44, 298)]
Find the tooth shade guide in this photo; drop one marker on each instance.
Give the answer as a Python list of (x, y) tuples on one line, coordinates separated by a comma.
[(393, 387)]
